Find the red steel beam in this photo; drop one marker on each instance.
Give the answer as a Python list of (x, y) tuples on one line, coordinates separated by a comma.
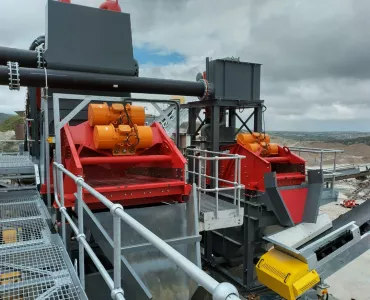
[(124, 159), (278, 159)]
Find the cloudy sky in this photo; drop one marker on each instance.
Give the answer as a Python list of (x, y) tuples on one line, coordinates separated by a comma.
[(315, 54)]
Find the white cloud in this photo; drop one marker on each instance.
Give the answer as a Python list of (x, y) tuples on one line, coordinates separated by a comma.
[(316, 66)]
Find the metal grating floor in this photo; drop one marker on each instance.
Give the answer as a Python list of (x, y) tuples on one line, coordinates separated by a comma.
[(33, 262), (20, 233), (208, 204), (47, 291), (36, 273), (19, 196), (20, 210), (16, 165), (7, 161)]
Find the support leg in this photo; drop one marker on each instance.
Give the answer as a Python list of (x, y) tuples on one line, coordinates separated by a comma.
[(250, 227), (232, 118), (208, 246), (258, 119)]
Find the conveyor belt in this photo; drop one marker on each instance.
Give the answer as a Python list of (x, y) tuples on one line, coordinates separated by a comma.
[(33, 261), (360, 214)]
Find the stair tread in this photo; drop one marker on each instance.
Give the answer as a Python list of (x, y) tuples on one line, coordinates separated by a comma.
[(208, 204)]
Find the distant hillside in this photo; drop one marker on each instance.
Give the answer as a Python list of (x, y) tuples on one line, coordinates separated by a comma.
[(3, 117), (10, 123), (333, 136), (360, 140)]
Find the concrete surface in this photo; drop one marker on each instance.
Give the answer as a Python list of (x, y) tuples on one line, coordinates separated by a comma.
[(352, 281)]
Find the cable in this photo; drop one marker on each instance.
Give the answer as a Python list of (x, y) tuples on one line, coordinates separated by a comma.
[(264, 108), (131, 125)]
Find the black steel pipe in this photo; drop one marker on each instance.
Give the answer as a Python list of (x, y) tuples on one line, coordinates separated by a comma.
[(102, 82), (25, 58), (37, 42)]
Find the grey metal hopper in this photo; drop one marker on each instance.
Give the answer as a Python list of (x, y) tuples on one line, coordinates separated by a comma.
[(152, 275)]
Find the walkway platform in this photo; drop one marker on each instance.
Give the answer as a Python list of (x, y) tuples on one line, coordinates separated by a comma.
[(33, 260)]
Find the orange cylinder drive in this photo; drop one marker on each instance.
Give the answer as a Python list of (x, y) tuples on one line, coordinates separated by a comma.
[(117, 113), (256, 137), (258, 142), (123, 140)]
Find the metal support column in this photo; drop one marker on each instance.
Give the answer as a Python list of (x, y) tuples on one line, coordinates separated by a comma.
[(232, 118), (258, 119), (215, 130), (214, 146), (250, 228), (192, 123), (192, 127)]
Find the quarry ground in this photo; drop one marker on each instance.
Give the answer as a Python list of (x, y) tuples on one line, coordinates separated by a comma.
[(352, 281)]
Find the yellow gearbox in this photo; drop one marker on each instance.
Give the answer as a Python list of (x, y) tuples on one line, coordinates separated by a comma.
[(285, 275)]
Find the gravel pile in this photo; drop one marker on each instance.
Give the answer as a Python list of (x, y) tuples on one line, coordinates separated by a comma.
[(8, 146)]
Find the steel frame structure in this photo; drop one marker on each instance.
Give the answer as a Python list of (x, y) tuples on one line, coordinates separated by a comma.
[(59, 124), (115, 285), (215, 108), (213, 144)]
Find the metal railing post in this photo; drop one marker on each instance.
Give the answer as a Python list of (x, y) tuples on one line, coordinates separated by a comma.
[(334, 170), (205, 171), (321, 156), (239, 182), (116, 250), (58, 156), (216, 183), (81, 251), (45, 144), (236, 185), (199, 180), (194, 169), (55, 182), (61, 193)]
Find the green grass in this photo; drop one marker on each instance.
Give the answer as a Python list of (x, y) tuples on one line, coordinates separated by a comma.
[(10, 123)]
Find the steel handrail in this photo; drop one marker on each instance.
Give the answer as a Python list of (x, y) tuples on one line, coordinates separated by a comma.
[(236, 185), (212, 152), (315, 150), (116, 292), (219, 291), (321, 151)]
